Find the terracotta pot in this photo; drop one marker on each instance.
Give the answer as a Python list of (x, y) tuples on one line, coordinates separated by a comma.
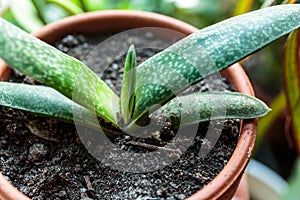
[(225, 184)]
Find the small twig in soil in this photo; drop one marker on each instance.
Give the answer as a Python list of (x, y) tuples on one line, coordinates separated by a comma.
[(3, 153), (88, 184), (153, 147)]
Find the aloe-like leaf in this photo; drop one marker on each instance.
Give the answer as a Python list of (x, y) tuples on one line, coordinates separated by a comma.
[(207, 51), (199, 107), (128, 85), (292, 79), (44, 63), (42, 100), (69, 6), (26, 15)]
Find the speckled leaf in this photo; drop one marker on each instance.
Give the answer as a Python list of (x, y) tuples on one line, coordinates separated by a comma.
[(207, 51), (199, 107), (128, 85), (292, 79), (42, 100), (56, 69)]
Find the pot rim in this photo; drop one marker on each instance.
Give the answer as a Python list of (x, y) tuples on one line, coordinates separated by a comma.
[(221, 186)]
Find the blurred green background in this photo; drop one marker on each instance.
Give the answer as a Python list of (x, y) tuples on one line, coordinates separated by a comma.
[(274, 146), (31, 14)]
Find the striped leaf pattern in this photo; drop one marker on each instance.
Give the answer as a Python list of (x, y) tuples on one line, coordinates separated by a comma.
[(207, 51), (199, 107), (42, 100), (50, 66), (160, 78)]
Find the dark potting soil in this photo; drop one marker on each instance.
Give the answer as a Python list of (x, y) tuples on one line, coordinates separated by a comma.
[(45, 158)]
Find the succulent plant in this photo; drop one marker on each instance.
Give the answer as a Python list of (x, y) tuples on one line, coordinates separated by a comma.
[(188, 61)]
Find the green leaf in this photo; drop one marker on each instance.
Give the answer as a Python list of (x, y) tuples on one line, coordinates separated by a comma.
[(69, 6), (292, 79), (278, 105), (128, 85), (53, 13), (294, 183), (7, 15), (48, 65), (123, 4), (42, 100), (93, 5), (199, 107), (242, 7), (40, 6), (26, 15), (207, 51)]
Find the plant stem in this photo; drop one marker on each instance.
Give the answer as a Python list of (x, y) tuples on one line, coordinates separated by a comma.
[(153, 147)]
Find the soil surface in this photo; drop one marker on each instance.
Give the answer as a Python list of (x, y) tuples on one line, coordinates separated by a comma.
[(46, 159)]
